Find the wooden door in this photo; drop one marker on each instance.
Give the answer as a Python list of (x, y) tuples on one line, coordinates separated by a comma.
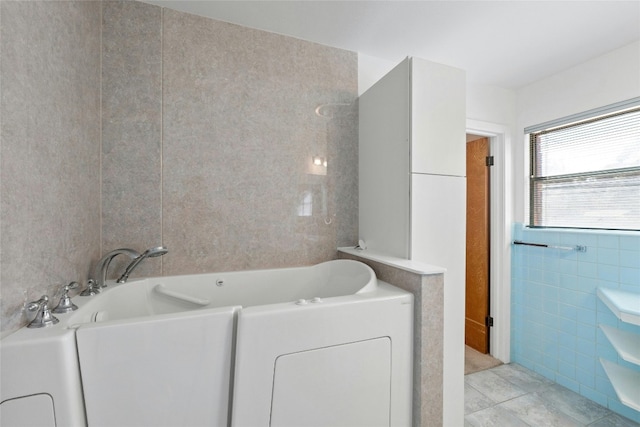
[(477, 257)]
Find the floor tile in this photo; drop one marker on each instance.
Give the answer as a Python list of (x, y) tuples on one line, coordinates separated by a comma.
[(474, 400), (493, 386), (579, 407), (513, 396), (535, 411), (525, 379), (493, 416), (614, 420)]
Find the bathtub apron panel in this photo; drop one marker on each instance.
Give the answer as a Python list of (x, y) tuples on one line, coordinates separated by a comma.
[(323, 340), (40, 374), (173, 370), (35, 410), (348, 384)]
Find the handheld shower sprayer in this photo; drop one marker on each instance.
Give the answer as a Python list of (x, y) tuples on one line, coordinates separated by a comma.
[(149, 253)]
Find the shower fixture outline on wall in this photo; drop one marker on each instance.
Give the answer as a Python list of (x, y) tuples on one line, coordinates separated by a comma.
[(326, 110)]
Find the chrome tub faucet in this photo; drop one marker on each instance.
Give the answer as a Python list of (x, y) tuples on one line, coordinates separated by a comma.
[(149, 253), (103, 264)]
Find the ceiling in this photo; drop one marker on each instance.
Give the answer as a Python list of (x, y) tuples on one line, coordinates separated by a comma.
[(502, 43)]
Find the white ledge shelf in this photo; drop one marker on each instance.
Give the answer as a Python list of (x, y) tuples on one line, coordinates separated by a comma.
[(627, 344), (625, 305), (404, 264), (625, 382)]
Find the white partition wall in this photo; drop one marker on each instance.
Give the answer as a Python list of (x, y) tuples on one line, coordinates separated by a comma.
[(438, 224), (384, 163), (438, 205), (438, 119), (413, 185)]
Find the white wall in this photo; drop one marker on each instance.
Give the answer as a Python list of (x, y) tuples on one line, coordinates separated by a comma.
[(604, 80), (370, 70), (484, 103), (491, 104)]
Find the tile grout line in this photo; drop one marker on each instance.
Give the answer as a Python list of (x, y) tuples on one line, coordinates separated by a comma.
[(162, 137)]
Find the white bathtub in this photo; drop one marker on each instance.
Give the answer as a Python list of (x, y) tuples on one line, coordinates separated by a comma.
[(322, 345)]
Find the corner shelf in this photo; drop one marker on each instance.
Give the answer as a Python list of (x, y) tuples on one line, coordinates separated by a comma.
[(625, 305), (625, 382), (627, 344)]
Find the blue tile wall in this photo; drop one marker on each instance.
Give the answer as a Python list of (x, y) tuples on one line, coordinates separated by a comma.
[(555, 311)]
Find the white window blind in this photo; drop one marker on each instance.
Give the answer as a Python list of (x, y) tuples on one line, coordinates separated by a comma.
[(587, 174)]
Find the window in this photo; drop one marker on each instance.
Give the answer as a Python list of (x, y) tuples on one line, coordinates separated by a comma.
[(587, 174)]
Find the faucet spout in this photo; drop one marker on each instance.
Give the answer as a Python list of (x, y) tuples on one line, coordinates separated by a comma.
[(149, 253), (103, 264)]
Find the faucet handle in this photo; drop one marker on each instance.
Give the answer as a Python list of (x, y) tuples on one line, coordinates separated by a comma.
[(65, 305), (43, 314), (91, 289)]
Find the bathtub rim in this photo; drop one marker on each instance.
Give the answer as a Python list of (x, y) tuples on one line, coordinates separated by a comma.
[(72, 320)]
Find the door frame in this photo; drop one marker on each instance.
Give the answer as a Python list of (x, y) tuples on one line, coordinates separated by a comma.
[(501, 218)]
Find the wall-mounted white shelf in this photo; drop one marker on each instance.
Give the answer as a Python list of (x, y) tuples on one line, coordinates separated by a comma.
[(627, 344), (625, 382), (625, 305), (416, 267)]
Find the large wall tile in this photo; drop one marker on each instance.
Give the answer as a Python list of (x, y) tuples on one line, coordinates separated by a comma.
[(131, 131), (240, 129), (50, 139)]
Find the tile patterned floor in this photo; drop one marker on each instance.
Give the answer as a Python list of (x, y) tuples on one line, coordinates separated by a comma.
[(513, 396)]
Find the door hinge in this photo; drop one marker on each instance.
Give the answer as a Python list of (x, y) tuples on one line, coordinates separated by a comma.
[(489, 161), (489, 321)]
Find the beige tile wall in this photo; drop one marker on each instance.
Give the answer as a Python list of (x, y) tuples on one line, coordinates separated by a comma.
[(219, 172), (239, 132), (205, 145), (49, 149), (132, 131)]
